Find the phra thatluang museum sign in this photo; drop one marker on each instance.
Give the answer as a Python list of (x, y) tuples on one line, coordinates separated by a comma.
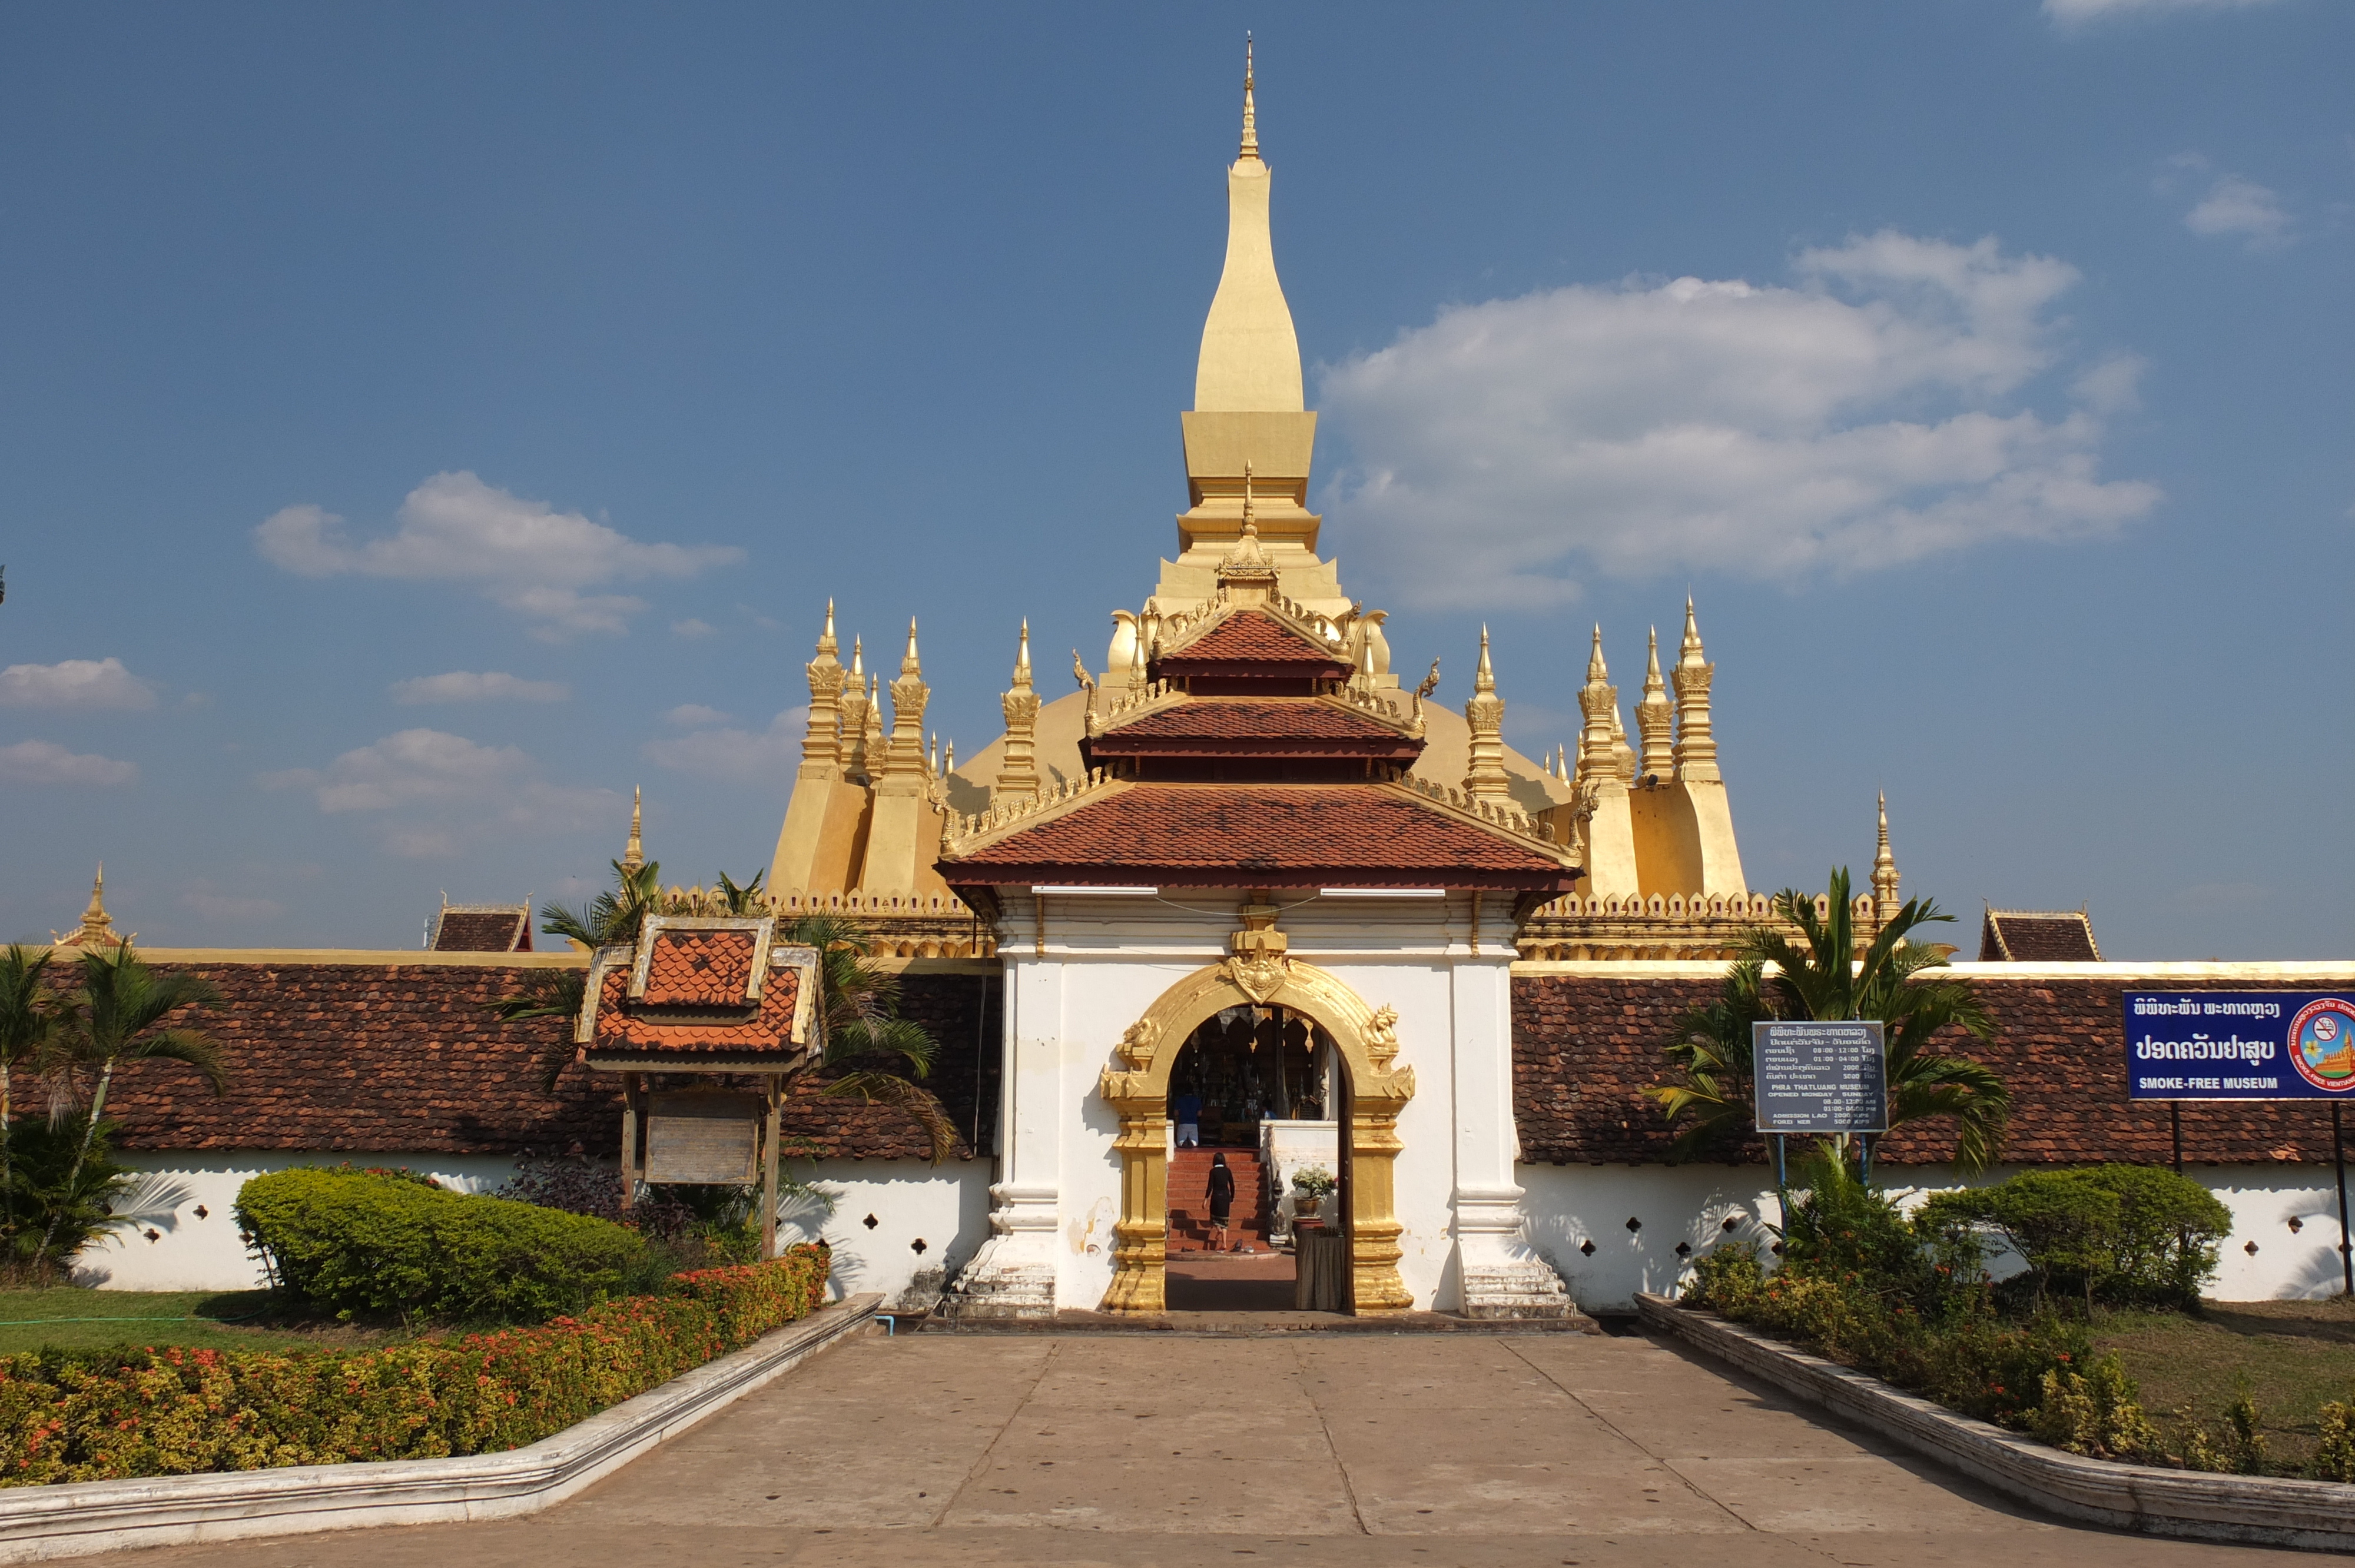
[(1246, 867)]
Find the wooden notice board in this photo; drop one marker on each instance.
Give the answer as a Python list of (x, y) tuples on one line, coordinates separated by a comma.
[(704, 1136)]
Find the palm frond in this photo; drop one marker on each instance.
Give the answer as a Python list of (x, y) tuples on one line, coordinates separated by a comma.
[(890, 1089)]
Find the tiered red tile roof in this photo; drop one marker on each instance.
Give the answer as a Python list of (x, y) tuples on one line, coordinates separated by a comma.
[(2021, 937), (699, 969), (468, 928), (1288, 835), (1256, 727), (1251, 642), (644, 1029)]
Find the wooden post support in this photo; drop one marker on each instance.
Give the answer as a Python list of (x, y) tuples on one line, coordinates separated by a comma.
[(771, 1134), (629, 1141)]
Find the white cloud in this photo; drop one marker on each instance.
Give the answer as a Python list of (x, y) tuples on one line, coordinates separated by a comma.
[(2072, 11), (522, 554), (1859, 417), (695, 716), (438, 792), (47, 762), (2235, 207), (74, 683), (693, 627), (735, 756), (471, 686)]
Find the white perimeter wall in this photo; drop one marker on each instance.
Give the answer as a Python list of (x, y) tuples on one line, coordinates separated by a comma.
[(170, 1247), (1571, 1204), (945, 1207)]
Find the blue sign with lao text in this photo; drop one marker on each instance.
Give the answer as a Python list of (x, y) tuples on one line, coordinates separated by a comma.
[(2240, 1045)]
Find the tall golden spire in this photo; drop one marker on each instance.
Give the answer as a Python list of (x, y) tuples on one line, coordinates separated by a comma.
[(1017, 771), (908, 696), (1656, 719), (1484, 776), (1696, 749), (1251, 352), (1885, 902), (857, 699), (1599, 701), (634, 853), (1250, 117), (822, 741)]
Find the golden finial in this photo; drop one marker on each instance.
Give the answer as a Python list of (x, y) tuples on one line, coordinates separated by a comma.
[(825, 643), (1251, 118), (633, 854), (1251, 525), (857, 659), (933, 761), (1596, 671), (1885, 878), (1690, 653), (1022, 656), (1484, 679), (909, 665), (96, 930), (948, 759)]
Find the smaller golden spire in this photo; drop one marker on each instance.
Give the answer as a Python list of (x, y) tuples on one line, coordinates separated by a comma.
[(1251, 116), (910, 665), (858, 661), (1597, 672), (1485, 777), (97, 927), (1022, 656), (1885, 879), (1656, 719), (948, 762), (826, 645), (634, 853), (1484, 679), (932, 761)]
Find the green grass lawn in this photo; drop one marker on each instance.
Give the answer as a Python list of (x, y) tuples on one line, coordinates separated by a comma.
[(61, 1319), (2293, 1356)]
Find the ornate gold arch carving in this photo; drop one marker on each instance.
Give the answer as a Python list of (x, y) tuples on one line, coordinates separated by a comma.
[(1258, 974)]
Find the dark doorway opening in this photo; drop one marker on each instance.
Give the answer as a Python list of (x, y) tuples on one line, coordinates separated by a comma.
[(1243, 1074)]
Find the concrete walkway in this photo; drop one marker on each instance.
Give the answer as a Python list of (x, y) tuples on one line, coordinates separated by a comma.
[(1459, 1449)]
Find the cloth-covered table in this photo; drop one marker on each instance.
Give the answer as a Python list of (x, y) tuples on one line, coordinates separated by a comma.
[(1320, 1270)]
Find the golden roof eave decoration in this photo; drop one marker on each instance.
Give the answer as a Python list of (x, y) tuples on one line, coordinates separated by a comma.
[(963, 834)]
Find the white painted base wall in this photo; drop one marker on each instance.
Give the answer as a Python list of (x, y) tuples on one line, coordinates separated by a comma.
[(1571, 1204), (945, 1207), (171, 1247)]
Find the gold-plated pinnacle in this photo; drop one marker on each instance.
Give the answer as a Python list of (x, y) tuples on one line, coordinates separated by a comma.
[(1597, 672), (857, 661), (1022, 656), (634, 853), (1250, 117), (910, 665), (1484, 679), (94, 918), (1251, 525), (825, 643)]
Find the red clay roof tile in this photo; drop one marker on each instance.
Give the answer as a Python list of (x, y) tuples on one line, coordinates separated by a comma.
[(1251, 636), (1180, 834)]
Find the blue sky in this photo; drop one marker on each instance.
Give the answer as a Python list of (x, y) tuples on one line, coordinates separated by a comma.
[(1981, 366)]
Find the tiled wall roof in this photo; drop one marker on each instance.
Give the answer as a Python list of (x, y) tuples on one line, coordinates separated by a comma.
[(1255, 637), (1584, 1045), (409, 1058)]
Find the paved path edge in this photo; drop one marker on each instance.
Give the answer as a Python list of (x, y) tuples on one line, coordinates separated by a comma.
[(2251, 1510), (84, 1518)]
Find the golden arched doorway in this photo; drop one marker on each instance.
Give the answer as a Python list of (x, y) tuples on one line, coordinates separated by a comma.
[(1366, 1040)]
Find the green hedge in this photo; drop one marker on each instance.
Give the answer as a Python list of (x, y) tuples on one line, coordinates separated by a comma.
[(2132, 1235), (107, 1416), (368, 1242)]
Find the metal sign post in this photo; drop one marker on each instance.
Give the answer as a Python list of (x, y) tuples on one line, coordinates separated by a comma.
[(2339, 1159)]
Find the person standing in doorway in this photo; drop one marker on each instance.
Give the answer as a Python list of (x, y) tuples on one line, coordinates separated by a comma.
[(1222, 1202), (1186, 1112)]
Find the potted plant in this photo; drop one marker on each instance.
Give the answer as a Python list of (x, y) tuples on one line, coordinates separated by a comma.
[(1310, 1184)]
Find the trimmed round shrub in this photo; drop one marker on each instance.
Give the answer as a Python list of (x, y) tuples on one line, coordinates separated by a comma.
[(365, 1243), (2134, 1234)]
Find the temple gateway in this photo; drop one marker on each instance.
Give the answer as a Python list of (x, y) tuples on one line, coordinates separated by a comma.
[(1245, 899)]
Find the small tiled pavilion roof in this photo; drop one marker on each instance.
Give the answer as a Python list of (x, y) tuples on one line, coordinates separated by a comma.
[(700, 988), (481, 929), (2047, 937), (1289, 835)]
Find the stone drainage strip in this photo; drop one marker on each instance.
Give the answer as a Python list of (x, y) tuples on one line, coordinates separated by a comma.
[(2255, 1509), (82, 1517)]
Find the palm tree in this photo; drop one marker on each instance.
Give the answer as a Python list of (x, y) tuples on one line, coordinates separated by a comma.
[(1821, 976), (118, 1015), (865, 1050), (29, 1027)]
